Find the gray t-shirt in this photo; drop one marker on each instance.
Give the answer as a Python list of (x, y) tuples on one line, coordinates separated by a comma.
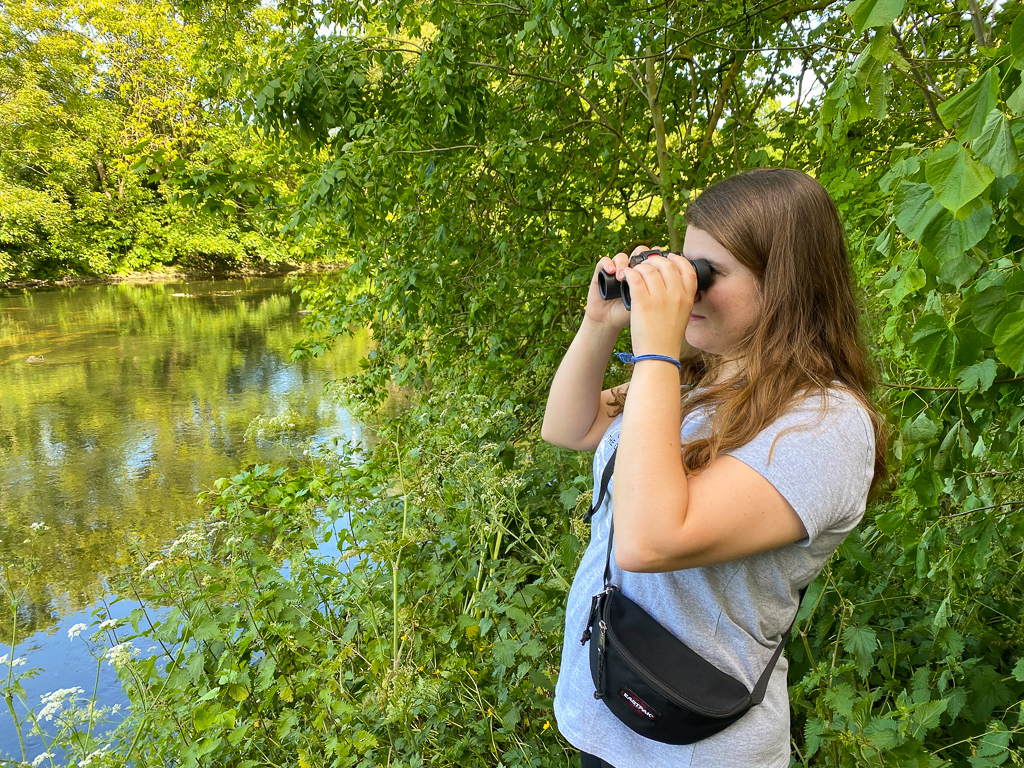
[(734, 613)]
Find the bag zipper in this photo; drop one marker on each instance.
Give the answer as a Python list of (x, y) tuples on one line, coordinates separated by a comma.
[(601, 651), (657, 684)]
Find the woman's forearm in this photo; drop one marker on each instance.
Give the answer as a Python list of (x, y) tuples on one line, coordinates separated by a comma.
[(574, 401), (650, 494)]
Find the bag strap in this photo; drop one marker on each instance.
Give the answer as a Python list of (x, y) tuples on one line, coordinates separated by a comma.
[(606, 477), (761, 687), (757, 694)]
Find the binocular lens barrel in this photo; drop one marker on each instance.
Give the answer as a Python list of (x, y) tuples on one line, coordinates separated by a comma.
[(613, 289)]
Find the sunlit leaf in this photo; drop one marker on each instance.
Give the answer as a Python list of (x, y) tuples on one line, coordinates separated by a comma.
[(956, 177), (971, 106), (867, 14), (995, 146), (915, 207)]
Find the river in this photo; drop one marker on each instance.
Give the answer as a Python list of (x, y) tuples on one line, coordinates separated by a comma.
[(118, 404)]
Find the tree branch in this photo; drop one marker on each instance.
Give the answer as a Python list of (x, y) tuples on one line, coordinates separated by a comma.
[(658, 120), (716, 111)]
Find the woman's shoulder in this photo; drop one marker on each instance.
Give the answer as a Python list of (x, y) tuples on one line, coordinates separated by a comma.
[(833, 419)]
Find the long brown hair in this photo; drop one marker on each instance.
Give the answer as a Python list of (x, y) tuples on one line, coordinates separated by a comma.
[(782, 225)]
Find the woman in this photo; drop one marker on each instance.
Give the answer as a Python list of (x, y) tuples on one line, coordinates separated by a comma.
[(728, 504)]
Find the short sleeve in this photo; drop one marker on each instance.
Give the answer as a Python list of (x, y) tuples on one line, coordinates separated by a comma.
[(821, 459)]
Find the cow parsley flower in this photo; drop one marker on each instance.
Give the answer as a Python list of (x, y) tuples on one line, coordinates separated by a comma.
[(121, 654), (76, 630)]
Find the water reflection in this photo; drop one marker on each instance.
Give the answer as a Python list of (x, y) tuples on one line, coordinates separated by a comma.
[(143, 397)]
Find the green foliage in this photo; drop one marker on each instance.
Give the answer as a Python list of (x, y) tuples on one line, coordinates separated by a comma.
[(95, 99), (481, 158)]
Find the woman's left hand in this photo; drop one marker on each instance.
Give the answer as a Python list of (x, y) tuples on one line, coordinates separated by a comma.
[(662, 290)]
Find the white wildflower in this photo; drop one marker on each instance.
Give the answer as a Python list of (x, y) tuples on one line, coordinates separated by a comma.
[(21, 661), (190, 542), (76, 630), (41, 759), (121, 654), (151, 567), (108, 624), (54, 700), (94, 755), (39, 527)]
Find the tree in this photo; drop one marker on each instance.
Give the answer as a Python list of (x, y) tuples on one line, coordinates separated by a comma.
[(88, 90)]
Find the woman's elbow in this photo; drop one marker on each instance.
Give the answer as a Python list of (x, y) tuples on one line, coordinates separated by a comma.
[(636, 558)]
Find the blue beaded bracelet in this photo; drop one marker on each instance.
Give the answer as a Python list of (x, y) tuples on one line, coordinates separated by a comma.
[(629, 359)]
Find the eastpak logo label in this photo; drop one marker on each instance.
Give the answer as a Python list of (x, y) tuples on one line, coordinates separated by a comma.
[(639, 705)]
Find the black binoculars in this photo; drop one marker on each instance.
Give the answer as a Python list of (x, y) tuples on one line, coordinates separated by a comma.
[(612, 289)]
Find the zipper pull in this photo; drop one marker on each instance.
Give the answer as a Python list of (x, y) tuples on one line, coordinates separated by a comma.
[(599, 691), (590, 622)]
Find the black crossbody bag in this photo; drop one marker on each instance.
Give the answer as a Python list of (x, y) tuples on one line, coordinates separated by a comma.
[(650, 680)]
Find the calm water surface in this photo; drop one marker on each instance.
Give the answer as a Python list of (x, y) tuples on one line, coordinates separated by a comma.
[(118, 404)]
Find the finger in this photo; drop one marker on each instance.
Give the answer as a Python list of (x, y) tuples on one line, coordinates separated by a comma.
[(651, 274), (639, 249), (621, 261), (638, 288), (687, 272), (671, 279), (606, 265)]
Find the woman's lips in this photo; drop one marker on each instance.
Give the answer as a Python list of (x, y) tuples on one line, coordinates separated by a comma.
[(696, 317)]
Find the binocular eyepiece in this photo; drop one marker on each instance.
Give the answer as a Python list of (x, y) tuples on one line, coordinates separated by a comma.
[(612, 289)]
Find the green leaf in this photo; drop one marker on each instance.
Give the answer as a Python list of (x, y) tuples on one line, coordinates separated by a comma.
[(946, 241), (868, 14), (915, 207), (861, 642), (978, 378), (993, 748), (1018, 671), (989, 309), (207, 629), (205, 716), (933, 343), (956, 177), (1017, 38), (971, 106), (909, 281), (1015, 102), (995, 147), (921, 430), (1009, 339), (840, 699), (926, 716)]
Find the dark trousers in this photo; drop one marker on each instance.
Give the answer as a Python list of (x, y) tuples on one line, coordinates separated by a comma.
[(589, 761)]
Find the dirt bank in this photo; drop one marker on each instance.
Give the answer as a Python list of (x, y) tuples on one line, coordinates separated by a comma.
[(173, 275)]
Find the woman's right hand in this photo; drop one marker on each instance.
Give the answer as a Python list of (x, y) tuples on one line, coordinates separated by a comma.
[(614, 312)]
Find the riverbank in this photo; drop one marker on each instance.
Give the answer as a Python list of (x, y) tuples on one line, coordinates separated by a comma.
[(172, 274)]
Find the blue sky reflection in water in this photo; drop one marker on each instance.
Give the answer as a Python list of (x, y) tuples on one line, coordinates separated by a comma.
[(145, 394)]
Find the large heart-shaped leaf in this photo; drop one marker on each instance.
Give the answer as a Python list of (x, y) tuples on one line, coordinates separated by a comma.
[(915, 207), (946, 243), (956, 177)]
